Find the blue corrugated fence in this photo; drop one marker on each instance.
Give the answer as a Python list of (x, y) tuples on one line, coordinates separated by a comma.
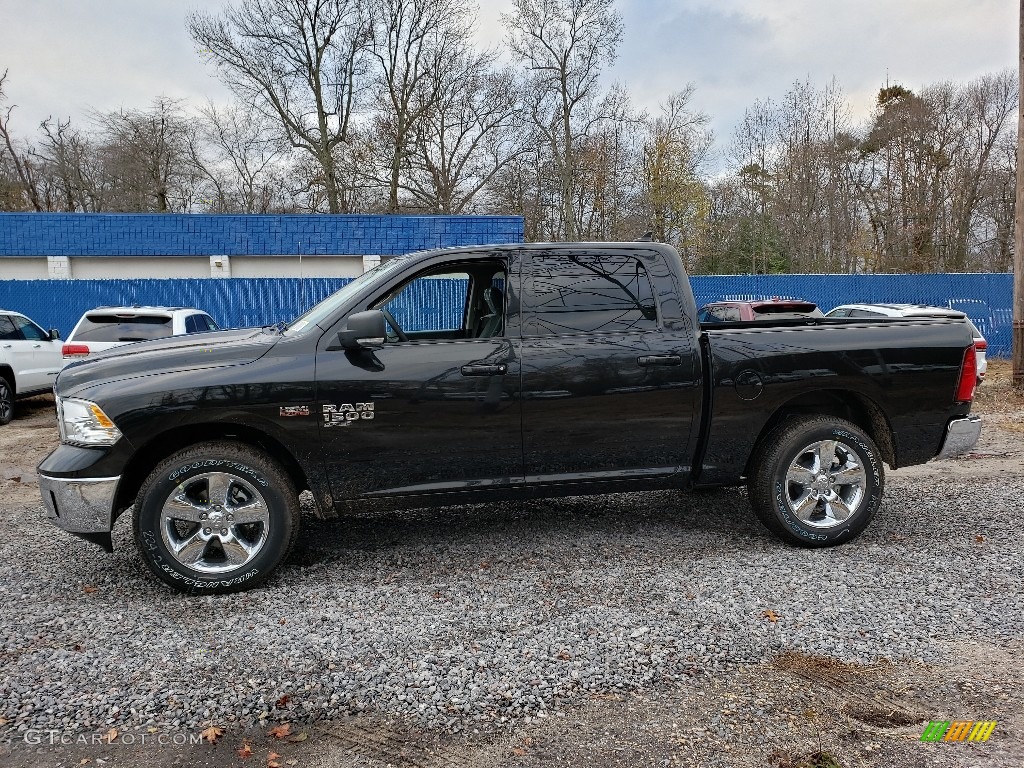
[(985, 298)]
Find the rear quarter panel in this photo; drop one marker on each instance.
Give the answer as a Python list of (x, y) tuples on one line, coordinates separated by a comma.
[(908, 369)]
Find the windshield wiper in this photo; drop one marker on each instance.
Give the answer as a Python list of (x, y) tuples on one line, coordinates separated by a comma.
[(279, 327)]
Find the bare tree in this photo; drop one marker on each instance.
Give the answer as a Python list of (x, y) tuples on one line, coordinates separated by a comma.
[(300, 61), (22, 167), (472, 132), (147, 157), (565, 44), (420, 47), (238, 151)]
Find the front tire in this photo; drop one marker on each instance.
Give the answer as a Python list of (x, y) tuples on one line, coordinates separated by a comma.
[(816, 481), (215, 518), (6, 401)]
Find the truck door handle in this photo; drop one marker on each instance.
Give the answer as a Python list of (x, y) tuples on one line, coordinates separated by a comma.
[(478, 369), (36, 346), (7, 346), (648, 360)]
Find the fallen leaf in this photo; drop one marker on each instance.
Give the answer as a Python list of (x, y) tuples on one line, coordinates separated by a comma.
[(283, 622), (273, 764), (299, 737), (771, 615), (89, 590), (111, 735), (283, 701), (564, 656), (280, 731), (980, 539), (84, 761), (245, 751), (211, 734), (518, 751), (77, 647), (273, 756), (151, 729), (484, 565)]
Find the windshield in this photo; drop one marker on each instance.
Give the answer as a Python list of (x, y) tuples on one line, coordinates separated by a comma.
[(320, 313)]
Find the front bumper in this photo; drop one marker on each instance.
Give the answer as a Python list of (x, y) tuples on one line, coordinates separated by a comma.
[(961, 436), (83, 507)]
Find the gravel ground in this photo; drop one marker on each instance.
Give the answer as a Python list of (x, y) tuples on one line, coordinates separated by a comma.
[(478, 620)]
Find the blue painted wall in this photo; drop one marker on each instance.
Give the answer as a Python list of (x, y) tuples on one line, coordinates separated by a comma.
[(134, 235)]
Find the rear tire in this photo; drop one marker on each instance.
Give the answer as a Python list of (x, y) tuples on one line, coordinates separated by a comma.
[(817, 481), (6, 401), (215, 518)]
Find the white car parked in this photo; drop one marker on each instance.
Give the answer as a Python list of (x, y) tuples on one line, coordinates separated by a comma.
[(106, 327), (917, 310), (30, 359)]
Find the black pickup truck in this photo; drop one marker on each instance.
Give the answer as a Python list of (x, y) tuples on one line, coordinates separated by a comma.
[(497, 372)]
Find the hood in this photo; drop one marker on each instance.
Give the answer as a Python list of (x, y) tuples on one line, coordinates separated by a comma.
[(176, 353)]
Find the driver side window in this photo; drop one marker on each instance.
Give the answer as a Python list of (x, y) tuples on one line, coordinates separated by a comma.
[(464, 301)]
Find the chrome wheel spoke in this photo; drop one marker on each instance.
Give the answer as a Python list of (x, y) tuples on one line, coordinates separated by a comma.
[(837, 510), (826, 455), (236, 552), (254, 511), (850, 474), (181, 507), (800, 474), (804, 507), (191, 550), (218, 489)]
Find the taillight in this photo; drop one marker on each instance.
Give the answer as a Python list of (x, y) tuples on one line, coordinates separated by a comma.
[(980, 344), (75, 350), (968, 376)]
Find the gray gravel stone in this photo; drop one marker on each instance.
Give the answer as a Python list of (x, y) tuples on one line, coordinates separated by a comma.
[(472, 616)]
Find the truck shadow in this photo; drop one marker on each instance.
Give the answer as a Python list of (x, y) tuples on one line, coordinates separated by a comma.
[(500, 530)]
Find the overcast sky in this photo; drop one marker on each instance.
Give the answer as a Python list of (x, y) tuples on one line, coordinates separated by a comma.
[(65, 56)]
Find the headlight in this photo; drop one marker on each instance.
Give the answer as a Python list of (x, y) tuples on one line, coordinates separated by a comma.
[(85, 423)]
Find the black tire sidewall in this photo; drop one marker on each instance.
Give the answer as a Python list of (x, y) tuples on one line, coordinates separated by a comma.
[(859, 520), (10, 394), (166, 478)]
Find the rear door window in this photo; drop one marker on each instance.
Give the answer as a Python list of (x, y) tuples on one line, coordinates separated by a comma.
[(584, 293), (28, 330), (7, 330), (115, 328)]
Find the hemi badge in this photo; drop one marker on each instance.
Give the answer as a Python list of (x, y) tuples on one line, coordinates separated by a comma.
[(295, 410)]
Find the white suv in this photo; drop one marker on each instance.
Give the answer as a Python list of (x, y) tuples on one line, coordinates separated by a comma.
[(917, 310), (30, 359), (106, 327)]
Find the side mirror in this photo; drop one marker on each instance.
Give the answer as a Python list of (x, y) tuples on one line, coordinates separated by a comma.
[(54, 334), (364, 330)]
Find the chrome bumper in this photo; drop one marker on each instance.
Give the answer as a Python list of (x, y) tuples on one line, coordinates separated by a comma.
[(79, 506), (961, 435)]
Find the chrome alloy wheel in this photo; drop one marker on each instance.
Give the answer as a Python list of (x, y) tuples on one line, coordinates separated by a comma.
[(214, 522), (825, 484)]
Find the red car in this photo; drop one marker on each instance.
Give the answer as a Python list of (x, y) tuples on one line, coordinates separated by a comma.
[(740, 311)]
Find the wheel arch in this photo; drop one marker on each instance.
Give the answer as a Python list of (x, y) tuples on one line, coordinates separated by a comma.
[(165, 444), (8, 373), (852, 406)]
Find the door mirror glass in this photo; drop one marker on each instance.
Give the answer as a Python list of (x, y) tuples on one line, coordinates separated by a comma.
[(54, 334), (364, 329)]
